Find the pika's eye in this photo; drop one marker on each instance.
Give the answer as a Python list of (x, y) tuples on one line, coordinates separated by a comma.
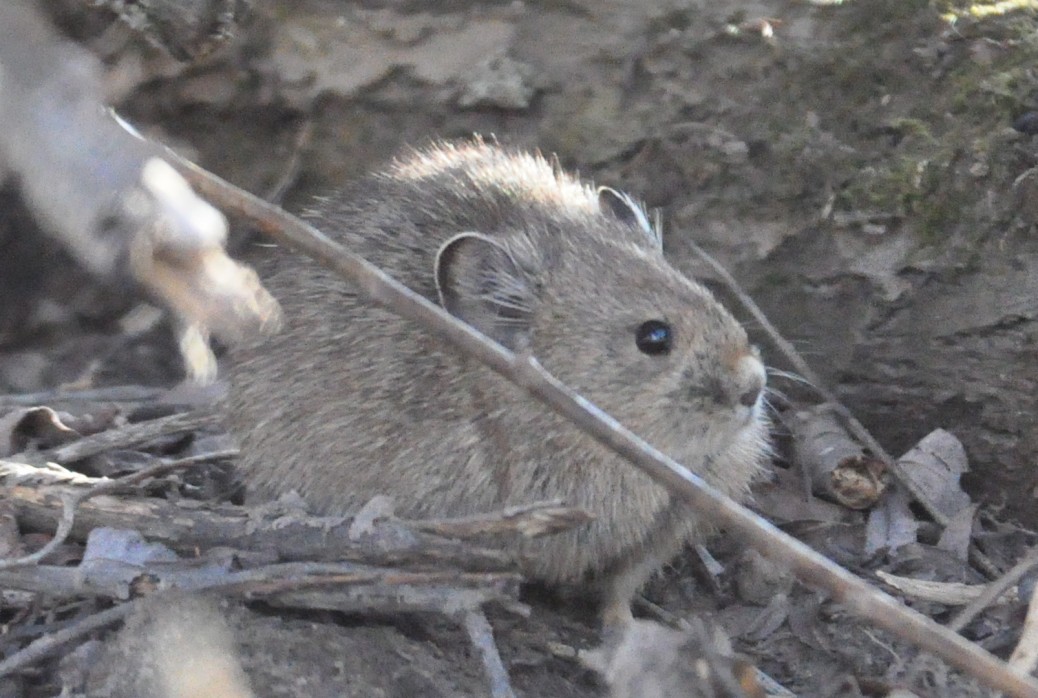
[(653, 337)]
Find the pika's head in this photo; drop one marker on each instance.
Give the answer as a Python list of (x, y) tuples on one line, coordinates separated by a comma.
[(588, 292)]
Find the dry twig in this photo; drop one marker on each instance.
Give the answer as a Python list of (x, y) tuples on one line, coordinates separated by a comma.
[(122, 437), (482, 637), (836, 465), (994, 590), (134, 215), (71, 500), (523, 370), (1025, 657), (290, 537), (267, 582), (292, 166), (812, 379), (529, 520), (856, 428), (358, 587), (947, 593), (53, 643), (117, 393)]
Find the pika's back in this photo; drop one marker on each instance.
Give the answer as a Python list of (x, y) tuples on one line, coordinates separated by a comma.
[(401, 216)]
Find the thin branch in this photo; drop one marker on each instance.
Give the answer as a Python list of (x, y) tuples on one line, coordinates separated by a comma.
[(70, 502), (132, 215), (526, 372), (252, 584), (946, 593), (994, 590), (812, 379), (529, 520), (341, 587), (122, 437), (53, 643), (291, 172), (290, 535), (263, 583), (116, 393), (1025, 656), (856, 428), (354, 587), (481, 635)]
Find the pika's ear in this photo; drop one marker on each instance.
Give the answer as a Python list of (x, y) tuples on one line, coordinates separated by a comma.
[(627, 210), (479, 281)]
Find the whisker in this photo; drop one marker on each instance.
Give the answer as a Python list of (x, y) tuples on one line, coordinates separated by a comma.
[(790, 376)]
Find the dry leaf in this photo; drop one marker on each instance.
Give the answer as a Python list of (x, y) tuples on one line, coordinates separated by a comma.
[(935, 465)]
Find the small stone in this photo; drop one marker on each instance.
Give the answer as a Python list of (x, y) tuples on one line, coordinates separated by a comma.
[(1025, 195), (735, 151), (758, 580), (498, 82), (1027, 123)]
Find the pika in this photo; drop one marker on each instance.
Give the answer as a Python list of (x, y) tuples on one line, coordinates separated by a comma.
[(352, 401)]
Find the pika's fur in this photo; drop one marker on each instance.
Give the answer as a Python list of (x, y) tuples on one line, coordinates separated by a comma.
[(352, 401)]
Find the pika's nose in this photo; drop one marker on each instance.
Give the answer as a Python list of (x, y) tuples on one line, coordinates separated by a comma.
[(750, 378)]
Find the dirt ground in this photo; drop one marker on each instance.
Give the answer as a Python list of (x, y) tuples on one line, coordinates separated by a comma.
[(855, 165)]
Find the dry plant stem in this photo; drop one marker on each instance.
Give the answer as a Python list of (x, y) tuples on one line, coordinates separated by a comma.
[(482, 637), (856, 428), (158, 470), (1025, 656), (994, 590), (434, 590), (250, 585), (530, 520), (117, 393), (853, 425), (660, 614), (835, 463), (813, 568), (291, 172), (446, 598), (122, 437), (946, 593), (70, 502), (245, 585), (53, 643), (295, 537)]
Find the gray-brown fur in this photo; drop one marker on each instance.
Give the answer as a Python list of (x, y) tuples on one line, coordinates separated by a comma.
[(351, 401)]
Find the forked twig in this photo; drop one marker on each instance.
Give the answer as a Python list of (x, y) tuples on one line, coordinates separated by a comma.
[(523, 370)]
